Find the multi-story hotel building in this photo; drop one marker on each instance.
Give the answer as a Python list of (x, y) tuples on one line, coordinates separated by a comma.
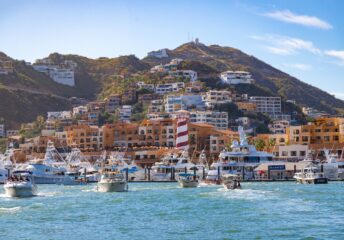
[(217, 119), (214, 97), (321, 131), (85, 137), (268, 105)]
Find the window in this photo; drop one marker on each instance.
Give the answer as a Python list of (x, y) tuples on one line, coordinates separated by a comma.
[(304, 139), (293, 153), (302, 153)]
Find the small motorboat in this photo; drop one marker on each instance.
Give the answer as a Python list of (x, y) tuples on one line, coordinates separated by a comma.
[(20, 186), (188, 180), (112, 182), (311, 175), (231, 181)]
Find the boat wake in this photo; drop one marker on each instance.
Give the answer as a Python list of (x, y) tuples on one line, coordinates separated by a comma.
[(10, 210), (46, 194), (241, 194)]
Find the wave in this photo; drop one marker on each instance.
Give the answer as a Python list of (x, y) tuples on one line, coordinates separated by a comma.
[(10, 210), (242, 194)]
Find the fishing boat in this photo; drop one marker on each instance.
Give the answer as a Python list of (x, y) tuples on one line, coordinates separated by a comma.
[(231, 181), (311, 175), (20, 186), (188, 180), (112, 182), (51, 169)]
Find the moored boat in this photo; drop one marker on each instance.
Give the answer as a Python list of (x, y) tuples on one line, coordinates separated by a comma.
[(311, 175)]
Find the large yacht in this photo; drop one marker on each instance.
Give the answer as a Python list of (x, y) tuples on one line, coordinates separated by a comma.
[(241, 160)]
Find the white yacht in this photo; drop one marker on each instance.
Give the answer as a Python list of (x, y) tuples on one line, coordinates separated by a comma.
[(311, 175), (241, 160), (112, 182), (51, 169), (188, 180), (20, 186), (117, 162), (330, 167)]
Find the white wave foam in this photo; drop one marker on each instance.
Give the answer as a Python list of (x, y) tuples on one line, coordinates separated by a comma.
[(10, 210), (244, 194)]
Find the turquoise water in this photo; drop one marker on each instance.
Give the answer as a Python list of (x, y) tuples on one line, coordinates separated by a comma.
[(164, 211)]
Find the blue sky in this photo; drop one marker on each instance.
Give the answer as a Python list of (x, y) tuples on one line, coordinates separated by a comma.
[(302, 38)]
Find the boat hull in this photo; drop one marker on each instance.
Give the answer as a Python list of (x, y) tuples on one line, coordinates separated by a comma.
[(187, 184), (53, 180), (312, 180), (112, 186), (19, 190)]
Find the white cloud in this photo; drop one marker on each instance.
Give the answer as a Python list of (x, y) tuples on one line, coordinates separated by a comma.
[(339, 55), (300, 66), (284, 45), (290, 17)]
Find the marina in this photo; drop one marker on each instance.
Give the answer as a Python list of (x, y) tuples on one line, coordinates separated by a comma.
[(271, 210)]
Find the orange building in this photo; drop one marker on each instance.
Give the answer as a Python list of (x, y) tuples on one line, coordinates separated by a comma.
[(321, 131), (161, 132), (206, 137), (85, 137), (120, 134)]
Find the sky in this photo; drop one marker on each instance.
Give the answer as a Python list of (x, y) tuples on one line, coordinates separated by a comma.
[(303, 38)]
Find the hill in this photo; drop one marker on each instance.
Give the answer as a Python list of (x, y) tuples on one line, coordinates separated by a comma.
[(266, 77), (25, 93)]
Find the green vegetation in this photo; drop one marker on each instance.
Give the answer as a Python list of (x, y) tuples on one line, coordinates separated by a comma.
[(3, 144), (34, 129)]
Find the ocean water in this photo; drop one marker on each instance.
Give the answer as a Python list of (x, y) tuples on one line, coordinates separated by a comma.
[(275, 210)]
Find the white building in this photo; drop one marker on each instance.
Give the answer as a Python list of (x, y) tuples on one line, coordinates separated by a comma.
[(12, 132), (162, 53), (2, 130), (169, 87), (59, 115), (125, 113), (156, 106), (143, 85), (214, 97), (218, 119), (295, 151), (173, 103), (80, 110), (236, 77), (190, 74), (267, 105), (61, 75), (279, 126)]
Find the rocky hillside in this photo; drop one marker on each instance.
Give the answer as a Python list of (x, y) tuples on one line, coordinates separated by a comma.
[(25, 93), (267, 77)]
